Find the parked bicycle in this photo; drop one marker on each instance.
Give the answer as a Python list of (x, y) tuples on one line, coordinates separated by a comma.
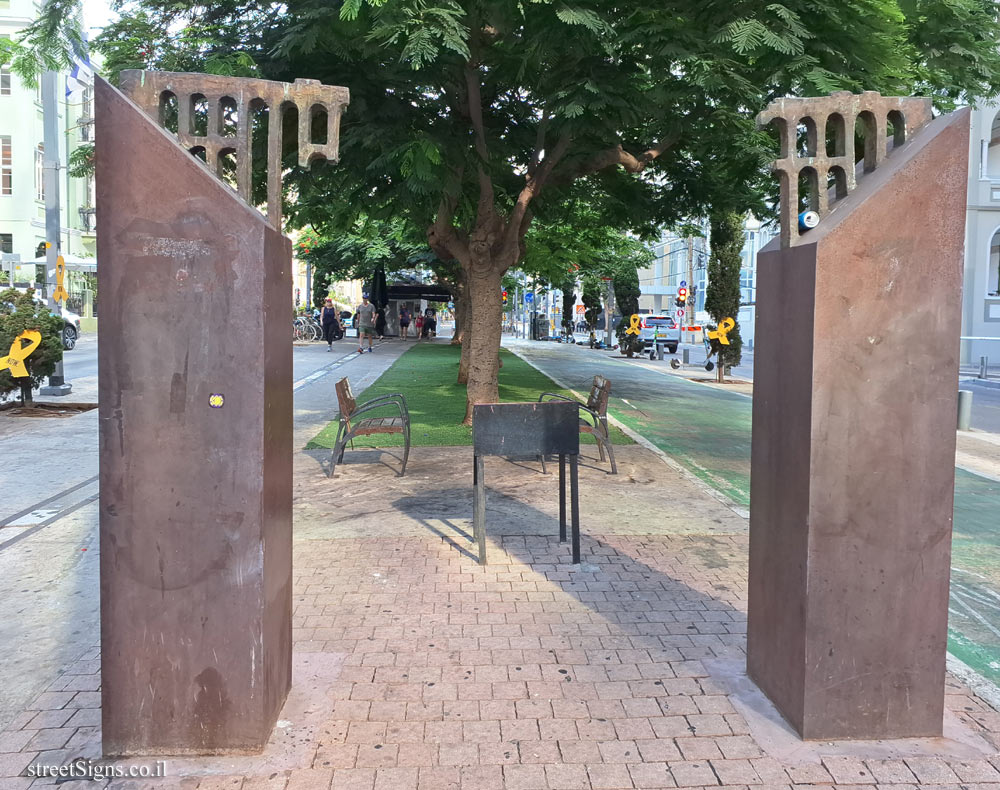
[(305, 328)]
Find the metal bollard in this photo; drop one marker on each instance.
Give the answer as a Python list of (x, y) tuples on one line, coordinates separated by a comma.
[(686, 356), (984, 367), (659, 351), (964, 409)]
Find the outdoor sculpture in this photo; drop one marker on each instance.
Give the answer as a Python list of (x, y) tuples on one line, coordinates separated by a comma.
[(854, 420), (195, 413)]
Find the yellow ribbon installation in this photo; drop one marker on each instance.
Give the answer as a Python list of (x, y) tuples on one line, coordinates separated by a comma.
[(634, 327), (60, 294), (18, 353), (726, 325)]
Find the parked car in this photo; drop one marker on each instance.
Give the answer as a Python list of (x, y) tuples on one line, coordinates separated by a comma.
[(659, 329), (71, 324)]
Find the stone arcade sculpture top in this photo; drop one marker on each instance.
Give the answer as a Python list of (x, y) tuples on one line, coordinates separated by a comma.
[(831, 119), (231, 103)]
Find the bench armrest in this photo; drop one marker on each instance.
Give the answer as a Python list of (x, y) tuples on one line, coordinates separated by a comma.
[(554, 396), (379, 403)]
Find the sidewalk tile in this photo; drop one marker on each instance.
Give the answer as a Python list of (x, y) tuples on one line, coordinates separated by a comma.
[(659, 750), (808, 774), (437, 779), (693, 774), (890, 771), (975, 771), (931, 770), (609, 777), (309, 779), (353, 779), (580, 751), (395, 778), (480, 777), (275, 781), (698, 748), (653, 776), (848, 770), (524, 777), (735, 772), (567, 777)]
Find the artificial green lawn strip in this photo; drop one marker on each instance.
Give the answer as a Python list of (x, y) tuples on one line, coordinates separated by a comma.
[(426, 376)]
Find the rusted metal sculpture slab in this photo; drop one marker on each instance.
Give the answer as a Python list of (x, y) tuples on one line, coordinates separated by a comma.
[(827, 126), (853, 446), (195, 433), (229, 106)]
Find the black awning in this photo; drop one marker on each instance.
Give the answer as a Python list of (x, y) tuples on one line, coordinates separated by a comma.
[(430, 292)]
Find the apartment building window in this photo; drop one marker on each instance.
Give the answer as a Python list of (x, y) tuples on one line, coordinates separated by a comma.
[(5, 80), (6, 167), (6, 242), (40, 172), (86, 113)]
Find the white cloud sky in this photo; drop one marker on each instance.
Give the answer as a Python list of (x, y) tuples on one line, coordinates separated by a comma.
[(96, 14)]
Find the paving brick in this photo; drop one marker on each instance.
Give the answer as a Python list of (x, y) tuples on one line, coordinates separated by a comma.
[(693, 773), (931, 770), (890, 771), (438, 778), (309, 779), (524, 777), (481, 777), (609, 777), (974, 771), (580, 751), (567, 777), (735, 772), (651, 775), (848, 770)]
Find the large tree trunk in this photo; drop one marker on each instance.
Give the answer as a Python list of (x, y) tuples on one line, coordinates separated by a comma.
[(26, 391), (486, 325)]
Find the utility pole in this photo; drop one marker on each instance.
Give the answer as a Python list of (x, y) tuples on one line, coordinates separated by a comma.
[(609, 309), (689, 307), (50, 167)]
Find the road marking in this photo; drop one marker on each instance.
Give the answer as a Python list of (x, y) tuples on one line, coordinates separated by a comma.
[(51, 520), (38, 505), (323, 371)]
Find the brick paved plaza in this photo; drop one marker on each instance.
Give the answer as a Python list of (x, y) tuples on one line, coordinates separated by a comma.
[(417, 668)]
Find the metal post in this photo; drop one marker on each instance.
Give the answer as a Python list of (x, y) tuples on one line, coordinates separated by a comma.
[(574, 496), (689, 306), (50, 167), (608, 310), (562, 498), (479, 508), (964, 409), (984, 367), (686, 356)]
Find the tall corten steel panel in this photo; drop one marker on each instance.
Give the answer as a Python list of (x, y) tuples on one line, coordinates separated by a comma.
[(196, 449), (854, 442)]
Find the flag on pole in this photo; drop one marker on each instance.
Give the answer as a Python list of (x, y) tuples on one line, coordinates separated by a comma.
[(81, 75)]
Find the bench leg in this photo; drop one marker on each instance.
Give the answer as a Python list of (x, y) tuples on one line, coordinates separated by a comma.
[(562, 498), (337, 456), (406, 449), (574, 497), (611, 449)]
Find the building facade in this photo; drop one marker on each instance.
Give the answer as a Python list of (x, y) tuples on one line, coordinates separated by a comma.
[(22, 194), (981, 286), (680, 259)]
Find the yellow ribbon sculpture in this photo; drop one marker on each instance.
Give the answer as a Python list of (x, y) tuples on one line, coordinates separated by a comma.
[(60, 294), (18, 353), (634, 327), (726, 325)]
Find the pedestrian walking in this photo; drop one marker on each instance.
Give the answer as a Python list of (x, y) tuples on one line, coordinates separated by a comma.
[(330, 323), (404, 322), (420, 325), (366, 324), (380, 324)]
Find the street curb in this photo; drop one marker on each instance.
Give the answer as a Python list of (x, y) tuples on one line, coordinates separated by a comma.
[(738, 509), (984, 689)]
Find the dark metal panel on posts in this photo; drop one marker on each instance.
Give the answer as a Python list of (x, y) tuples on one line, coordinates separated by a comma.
[(527, 430)]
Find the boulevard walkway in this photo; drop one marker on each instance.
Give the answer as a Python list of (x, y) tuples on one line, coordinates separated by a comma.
[(706, 431), (415, 667)]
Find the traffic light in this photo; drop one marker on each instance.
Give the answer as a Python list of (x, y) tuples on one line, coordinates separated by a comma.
[(682, 295), (504, 298)]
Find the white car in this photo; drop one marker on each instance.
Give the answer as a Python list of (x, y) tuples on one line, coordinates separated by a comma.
[(660, 328)]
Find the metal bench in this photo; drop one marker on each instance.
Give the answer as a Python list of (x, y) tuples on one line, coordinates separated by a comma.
[(351, 426), (593, 417)]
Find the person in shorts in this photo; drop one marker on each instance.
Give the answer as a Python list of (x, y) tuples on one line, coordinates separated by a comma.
[(366, 324), (404, 322)]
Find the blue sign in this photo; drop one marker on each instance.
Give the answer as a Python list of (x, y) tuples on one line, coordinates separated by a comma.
[(529, 298), (684, 283)]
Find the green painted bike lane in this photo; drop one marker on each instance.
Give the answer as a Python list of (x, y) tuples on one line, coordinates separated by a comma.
[(707, 432)]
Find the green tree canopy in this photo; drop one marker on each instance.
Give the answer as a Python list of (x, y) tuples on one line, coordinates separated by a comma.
[(473, 118)]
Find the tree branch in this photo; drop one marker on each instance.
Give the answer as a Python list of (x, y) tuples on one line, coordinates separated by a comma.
[(474, 98), (617, 155), (532, 187)]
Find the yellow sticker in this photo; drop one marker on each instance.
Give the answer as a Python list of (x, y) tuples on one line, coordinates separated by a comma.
[(18, 353), (216, 400), (60, 294), (635, 324), (726, 325)]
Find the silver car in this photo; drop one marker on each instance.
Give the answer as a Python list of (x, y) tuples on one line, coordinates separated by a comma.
[(660, 328)]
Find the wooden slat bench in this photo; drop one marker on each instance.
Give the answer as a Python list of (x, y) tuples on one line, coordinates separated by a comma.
[(351, 426), (593, 416)]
